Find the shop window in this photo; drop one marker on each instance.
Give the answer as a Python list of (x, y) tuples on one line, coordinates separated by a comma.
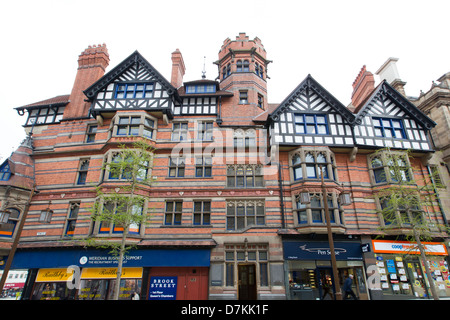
[(83, 171), (173, 213), (7, 229), (203, 167), (389, 167), (52, 291), (176, 167), (242, 214), (311, 163), (314, 212), (202, 213), (103, 289), (74, 208), (244, 176)]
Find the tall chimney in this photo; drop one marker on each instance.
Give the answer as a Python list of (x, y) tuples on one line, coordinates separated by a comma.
[(362, 86), (388, 71), (92, 64), (178, 69)]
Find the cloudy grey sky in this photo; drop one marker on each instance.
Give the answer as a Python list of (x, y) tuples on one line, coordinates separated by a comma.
[(331, 40)]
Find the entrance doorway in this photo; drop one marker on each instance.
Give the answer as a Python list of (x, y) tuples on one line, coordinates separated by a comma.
[(247, 282), (325, 280)]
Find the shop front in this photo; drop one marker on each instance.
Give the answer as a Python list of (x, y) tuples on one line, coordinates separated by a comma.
[(91, 274), (309, 271), (402, 273)]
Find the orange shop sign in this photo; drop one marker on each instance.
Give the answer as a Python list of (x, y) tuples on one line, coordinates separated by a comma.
[(405, 247)]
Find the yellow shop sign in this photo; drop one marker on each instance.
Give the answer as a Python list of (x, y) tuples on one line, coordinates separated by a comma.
[(54, 275), (110, 273)]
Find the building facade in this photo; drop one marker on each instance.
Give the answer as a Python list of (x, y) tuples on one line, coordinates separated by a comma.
[(226, 220)]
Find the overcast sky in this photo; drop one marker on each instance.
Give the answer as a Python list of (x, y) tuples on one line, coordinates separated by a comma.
[(329, 39)]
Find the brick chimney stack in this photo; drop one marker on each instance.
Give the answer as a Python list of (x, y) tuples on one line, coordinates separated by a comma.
[(92, 64), (178, 69), (362, 86)]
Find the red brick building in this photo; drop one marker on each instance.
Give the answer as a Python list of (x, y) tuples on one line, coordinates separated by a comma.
[(229, 168)]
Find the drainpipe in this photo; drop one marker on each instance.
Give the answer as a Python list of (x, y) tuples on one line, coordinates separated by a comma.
[(280, 182)]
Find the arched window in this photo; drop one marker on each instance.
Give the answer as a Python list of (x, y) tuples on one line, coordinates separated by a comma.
[(246, 66), (239, 66)]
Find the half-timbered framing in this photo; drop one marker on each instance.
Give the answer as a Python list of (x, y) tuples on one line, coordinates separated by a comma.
[(137, 71)]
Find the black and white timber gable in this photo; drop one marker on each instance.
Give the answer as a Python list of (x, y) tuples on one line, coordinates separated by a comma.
[(387, 119), (133, 84), (310, 115)]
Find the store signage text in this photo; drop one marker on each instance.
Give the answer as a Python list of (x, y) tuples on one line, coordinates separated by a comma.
[(434, 248), (163, 288), (106, 260)]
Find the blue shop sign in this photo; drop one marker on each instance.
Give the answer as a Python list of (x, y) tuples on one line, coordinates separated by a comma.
[(102, 258), (305, 250), (163, 288)]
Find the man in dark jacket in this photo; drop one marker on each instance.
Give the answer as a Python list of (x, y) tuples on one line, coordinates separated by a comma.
[(348, 288)]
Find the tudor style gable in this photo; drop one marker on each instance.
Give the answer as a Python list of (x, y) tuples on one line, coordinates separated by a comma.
[(311, 115), (133, 84), (387, 119)]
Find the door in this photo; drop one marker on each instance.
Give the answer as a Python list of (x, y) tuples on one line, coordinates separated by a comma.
[(247, 282)]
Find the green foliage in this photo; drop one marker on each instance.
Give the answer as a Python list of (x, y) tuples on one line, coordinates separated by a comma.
[(123, 206)]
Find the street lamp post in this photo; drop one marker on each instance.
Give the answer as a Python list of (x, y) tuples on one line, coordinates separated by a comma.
[(337, 286)]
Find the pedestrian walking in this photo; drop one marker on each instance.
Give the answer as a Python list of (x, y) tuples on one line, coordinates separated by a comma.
[(348, 288)]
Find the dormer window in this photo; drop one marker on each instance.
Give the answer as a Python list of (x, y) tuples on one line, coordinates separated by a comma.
[(389, 128), (134, 90), (311, 124), (201, 88)]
